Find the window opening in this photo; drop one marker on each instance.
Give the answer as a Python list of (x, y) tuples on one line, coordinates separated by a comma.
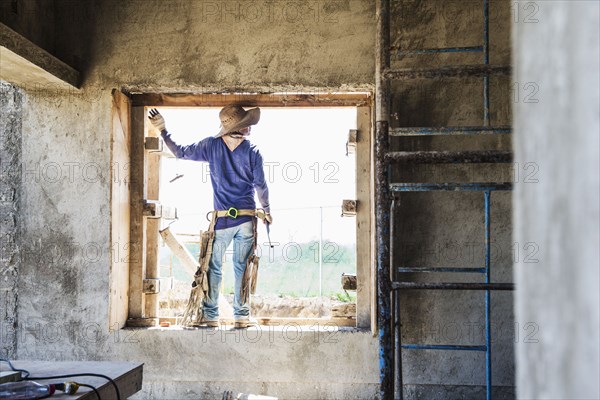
[(309, 173)]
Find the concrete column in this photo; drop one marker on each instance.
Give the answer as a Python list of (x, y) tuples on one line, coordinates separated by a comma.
[(11, 102), (556, 202)]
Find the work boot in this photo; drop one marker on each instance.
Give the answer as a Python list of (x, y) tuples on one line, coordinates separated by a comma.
[(209, 323), (244, 322)]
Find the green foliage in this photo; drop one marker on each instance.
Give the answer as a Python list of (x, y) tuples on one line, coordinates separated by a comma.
[(345, 297)]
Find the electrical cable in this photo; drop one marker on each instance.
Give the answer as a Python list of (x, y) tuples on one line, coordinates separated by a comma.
[(77, 375), (91, 387), (27, 376), (12, 367)]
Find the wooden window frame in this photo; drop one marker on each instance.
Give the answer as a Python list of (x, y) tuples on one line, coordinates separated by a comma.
[(142, 309)]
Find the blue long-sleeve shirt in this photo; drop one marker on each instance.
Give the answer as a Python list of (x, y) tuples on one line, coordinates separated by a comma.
[(235, 175)]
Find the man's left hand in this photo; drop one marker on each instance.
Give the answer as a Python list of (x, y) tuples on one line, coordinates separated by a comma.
[(268, 219)]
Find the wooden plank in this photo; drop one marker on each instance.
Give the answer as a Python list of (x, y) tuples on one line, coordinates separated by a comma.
[(349, 282), (345, 310), (155, 145), (277, 321), (127, 375), (364, 240), (351, 143), (31, 67), (154, 209), (245, 99), (119, 210), (137, 253), (274, 321), (349, 208), (152, 225), (179, 250)]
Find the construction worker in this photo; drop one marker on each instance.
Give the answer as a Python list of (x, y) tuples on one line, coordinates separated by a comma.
[(236, 172)]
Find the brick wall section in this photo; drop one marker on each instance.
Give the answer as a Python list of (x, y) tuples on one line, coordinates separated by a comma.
[(11, 99)]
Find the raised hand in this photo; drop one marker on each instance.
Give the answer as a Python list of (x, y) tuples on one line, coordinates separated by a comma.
[(157, 120)]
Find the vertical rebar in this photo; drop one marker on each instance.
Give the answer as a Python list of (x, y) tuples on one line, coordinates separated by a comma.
[(486, 61), (383, 263), (488, 274), (396, 321), (382, 216), (382, 49)]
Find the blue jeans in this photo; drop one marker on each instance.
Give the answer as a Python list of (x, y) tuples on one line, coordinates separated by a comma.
[(243, 239)]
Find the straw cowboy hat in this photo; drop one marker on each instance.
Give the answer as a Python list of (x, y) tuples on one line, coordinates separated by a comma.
[(233, 118)]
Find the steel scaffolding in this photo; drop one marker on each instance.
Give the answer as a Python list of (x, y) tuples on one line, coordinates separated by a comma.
[(387, 196)]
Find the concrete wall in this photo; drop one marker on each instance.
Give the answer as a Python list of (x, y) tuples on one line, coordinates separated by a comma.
[(11, 103), (560, 213), (182, 45), (447, 229), (63, 215), (186, 44)]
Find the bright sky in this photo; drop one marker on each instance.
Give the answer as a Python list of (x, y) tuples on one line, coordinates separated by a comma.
[(304, 150)]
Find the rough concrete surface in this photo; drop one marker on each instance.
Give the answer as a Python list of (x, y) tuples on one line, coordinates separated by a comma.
[(175, 46), (204, 45), (560, 213), (11, 102), (235, 44)]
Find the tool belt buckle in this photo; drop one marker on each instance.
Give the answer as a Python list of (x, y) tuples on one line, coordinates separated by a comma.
[(232, 212)]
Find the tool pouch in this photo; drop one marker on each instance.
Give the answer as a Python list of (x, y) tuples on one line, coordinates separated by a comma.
[(249, 278), (254, 275), (204, 240)]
